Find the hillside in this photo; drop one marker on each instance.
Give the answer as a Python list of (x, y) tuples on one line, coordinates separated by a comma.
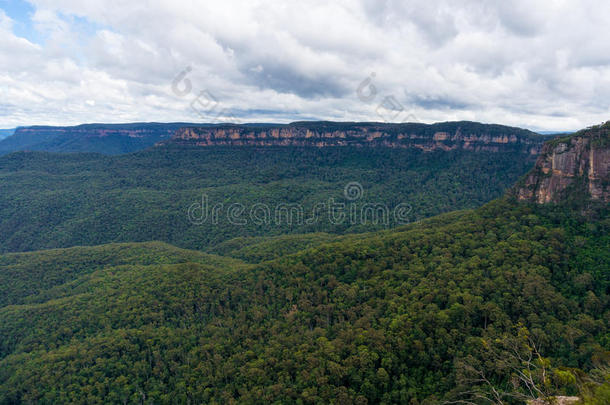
[(27, 275), (62, 200), (396, 316), (110, 139)]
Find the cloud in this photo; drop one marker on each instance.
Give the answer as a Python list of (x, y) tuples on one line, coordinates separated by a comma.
[(542, 65)]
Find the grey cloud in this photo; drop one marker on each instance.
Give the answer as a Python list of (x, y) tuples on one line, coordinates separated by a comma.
[(285, 80), (435, 21), (435, 102), (513, 62), (522, 18)]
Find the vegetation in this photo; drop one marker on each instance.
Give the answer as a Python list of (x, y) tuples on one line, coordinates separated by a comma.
[(597, 133), (408, 315), (495, 305), (62, 200), (27, 275)]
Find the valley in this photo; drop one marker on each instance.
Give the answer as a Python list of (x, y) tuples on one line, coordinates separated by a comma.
[(89, 199)]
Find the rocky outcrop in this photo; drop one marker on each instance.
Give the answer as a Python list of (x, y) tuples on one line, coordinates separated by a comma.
[(443, 136), (577, 164)]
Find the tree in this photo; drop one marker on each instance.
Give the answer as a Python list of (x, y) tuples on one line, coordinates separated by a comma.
[(508, 368)]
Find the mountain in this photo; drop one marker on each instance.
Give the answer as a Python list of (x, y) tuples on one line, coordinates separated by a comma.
[(108, 139), (6, 132), (463, 135), (115, 139), (554, 132), (578, 165)]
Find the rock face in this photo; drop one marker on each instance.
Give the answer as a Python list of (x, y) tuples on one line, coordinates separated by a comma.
[(443, 136), (576, 164)]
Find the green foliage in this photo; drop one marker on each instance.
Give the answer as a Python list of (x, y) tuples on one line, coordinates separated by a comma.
[(258, 249), (53, 201), (381, 317), (599, 135), (26, 275)]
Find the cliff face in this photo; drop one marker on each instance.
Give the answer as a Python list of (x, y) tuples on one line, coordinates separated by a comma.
[(443, 136), (578, 164)]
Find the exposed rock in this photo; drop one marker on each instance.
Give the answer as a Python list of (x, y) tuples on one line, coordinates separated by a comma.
[(579, 162), (442, 136)]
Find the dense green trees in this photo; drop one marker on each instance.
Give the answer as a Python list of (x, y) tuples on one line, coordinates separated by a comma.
[(502, 303), (52, 201), (398, 316)]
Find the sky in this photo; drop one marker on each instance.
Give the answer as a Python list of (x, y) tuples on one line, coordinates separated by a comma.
[(543, 64)]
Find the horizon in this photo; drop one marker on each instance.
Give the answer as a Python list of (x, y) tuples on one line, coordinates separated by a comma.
[(541, 132)]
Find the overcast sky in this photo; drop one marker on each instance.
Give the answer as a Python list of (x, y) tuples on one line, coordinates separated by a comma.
[(543, 65)]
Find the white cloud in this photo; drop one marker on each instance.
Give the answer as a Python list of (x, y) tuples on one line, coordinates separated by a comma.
[(536, 64)]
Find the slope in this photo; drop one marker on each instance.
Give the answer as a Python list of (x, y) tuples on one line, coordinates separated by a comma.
[(387, 317), (24, 276)]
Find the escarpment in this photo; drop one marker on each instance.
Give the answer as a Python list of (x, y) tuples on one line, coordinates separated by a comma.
[(572, 166), (442, 136)]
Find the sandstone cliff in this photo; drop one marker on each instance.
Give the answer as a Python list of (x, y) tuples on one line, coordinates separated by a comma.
[(577, 164), (443, 136)]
